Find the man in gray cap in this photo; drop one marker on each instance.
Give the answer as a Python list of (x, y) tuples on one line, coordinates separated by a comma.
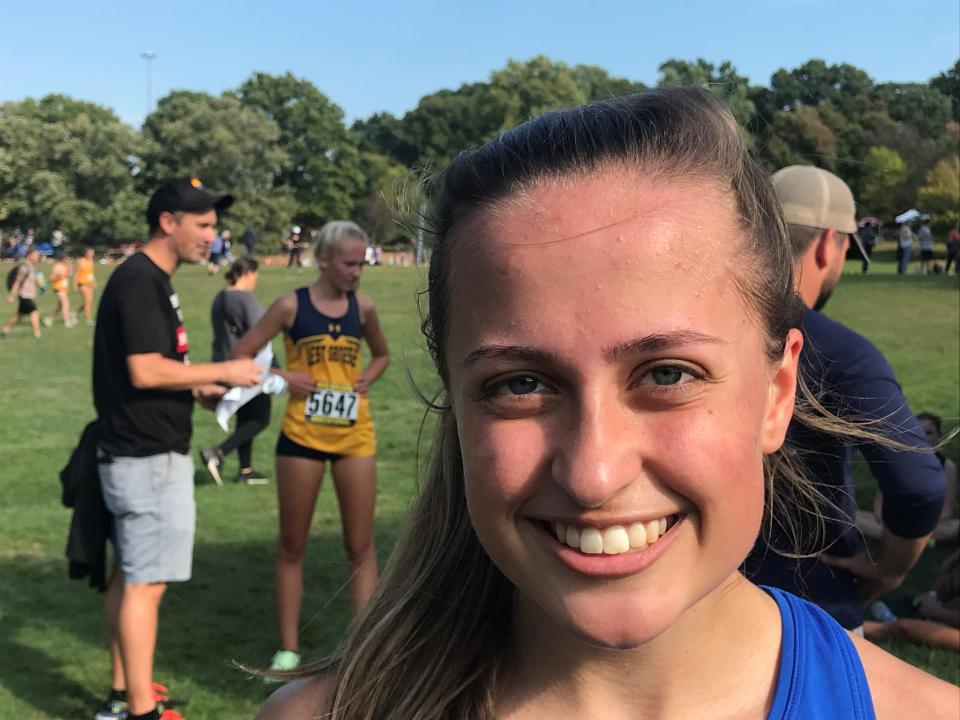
[(853, 379)]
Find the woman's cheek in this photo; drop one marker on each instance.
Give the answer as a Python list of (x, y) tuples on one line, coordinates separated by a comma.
[(500, 460)]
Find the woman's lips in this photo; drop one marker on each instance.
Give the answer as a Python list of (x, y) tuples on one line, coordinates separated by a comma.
[(612, 551)]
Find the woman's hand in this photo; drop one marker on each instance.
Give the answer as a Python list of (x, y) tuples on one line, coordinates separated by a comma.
[(299, 384)]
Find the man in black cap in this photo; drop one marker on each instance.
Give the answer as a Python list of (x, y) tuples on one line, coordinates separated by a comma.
[(144, 388)]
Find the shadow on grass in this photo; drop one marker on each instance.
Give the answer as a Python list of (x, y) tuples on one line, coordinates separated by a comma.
[(52, 633)]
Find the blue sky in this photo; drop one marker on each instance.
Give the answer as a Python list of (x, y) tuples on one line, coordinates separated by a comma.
[(376, 55)]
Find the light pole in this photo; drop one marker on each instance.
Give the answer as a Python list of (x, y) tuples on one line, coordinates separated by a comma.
[(149, 57)]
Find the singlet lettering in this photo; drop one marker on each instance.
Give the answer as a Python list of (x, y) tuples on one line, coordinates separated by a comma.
[(319, 351)]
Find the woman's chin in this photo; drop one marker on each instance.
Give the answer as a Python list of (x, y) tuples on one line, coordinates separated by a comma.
[(618, 626)]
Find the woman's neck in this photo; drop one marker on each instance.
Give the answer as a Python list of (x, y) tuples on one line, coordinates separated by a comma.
[(325, 291), (718, 660), (242, 283)]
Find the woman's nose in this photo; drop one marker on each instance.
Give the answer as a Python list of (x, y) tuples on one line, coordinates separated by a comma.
[(598, 454)]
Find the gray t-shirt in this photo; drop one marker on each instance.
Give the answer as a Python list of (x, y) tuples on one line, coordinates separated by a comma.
[(28, 282), (233, 313)]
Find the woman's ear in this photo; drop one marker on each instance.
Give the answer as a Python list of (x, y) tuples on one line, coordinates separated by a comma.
[(781, 395)]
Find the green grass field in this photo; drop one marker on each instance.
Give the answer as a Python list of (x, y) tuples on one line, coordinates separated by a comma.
[(53, 662)]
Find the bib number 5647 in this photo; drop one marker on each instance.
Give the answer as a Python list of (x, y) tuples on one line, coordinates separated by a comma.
[(332, 407)]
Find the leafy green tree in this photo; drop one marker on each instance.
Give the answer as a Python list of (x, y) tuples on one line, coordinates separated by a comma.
[(883, 176), (816, 83), (523, 90), (448, 121), (229, 146), (799, 137), (385, 134), (940, 195), (948, 83), (382, 201), (722, 80), (69, 164), (918, 105), (596, 83), (323, 166)]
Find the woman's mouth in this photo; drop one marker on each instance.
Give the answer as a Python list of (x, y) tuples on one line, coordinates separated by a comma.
[(614, 539)]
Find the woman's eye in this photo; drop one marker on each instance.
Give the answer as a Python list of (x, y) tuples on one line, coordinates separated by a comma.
[(668, 375), (523, 385)]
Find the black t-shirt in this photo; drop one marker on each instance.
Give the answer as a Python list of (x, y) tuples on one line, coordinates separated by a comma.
[(139, 313)]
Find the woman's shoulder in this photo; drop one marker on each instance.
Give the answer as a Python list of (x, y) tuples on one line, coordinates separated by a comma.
[(287, 301), (899, 689), (365, 303), (302, 699)]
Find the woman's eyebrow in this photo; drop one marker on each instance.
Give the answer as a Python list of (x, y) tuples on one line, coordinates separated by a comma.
[(506, 352), (658, 342), (655, 342)]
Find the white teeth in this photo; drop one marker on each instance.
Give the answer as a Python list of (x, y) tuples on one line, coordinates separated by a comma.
[(560, 531), (613, 540), (638, 535), (591, 541), (653, 531)]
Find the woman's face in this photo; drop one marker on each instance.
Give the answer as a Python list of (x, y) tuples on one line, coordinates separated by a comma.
[(611, 389), (343, 266)]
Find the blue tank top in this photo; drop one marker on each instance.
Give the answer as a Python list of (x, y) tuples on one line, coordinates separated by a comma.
[(821, 676)]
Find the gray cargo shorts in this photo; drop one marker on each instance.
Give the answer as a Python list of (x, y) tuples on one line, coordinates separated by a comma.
[(151, 500)]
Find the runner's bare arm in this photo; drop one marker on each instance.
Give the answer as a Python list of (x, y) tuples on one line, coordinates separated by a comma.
[(299, 700), (278, 317), (154, 371), (17, 282), (376, 341)]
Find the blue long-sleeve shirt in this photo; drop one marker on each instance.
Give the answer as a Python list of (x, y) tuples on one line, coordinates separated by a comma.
[(854, 380)]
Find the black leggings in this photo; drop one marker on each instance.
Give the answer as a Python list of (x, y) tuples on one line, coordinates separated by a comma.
[(252, 418)]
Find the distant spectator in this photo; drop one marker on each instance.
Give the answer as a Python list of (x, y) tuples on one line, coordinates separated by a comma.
[(250, 239), (85, 281), (953, 250), (926, 246), (948, 529), (60, 275), (234, 311), (24, 292), (868, 236), (904, 248), (938, 624), (293, 245), (216, 254), (57, 242)]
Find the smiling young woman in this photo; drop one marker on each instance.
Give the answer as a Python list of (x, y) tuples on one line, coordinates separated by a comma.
[(616, 411)]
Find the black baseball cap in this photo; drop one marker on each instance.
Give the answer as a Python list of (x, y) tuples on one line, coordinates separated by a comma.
[(185, 194)]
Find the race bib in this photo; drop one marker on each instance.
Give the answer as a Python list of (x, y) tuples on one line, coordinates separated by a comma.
[(332, 406)]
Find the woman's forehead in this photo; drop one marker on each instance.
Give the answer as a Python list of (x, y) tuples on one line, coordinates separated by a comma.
[(650, 256), (588, 218)]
